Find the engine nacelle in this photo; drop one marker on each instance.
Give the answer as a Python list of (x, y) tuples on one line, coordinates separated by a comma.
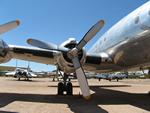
[(64, 62), (4, 52)]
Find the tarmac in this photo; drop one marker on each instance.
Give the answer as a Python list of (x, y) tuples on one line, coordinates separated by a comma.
[(40, 96)]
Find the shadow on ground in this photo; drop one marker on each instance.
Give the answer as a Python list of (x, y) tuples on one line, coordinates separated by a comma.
[(101, 86), (78, 105), (23, 80), (7, 112)]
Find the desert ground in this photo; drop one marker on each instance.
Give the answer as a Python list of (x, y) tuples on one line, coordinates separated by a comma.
[(40, 96)]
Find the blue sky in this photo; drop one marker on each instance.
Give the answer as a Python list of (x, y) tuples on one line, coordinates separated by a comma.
[(57, 20)]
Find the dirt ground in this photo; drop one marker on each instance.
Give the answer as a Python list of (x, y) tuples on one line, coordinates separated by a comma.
[(40, 96)]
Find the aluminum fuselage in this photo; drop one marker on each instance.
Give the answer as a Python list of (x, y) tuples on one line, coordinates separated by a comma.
[(128, 41)]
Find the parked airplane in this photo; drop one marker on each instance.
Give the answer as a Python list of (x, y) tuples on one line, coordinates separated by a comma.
[(124, 46), (21, 73), (111, 76)]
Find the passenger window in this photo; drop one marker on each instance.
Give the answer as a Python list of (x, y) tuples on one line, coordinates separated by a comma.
[(100, 42), (137, 20), (105, 39)]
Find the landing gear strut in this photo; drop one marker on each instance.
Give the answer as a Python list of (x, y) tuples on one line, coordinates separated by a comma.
[(57, 74), (66, 85)]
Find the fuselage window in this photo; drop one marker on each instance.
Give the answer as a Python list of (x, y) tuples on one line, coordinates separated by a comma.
[(136, 20), (100, 42), (105, 39), (96, 47)]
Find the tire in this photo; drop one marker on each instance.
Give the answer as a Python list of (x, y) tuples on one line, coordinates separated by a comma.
[(19, 79), (60, 88), (69, 88)]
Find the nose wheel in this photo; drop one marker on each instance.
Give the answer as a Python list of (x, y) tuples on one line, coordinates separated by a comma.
[(69, 89), (60, 88), (65, 86)]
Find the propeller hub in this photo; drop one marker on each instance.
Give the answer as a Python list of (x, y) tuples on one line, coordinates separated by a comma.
[(73, 53)]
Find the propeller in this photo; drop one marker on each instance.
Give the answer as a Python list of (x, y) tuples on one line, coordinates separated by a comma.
[(73, 55), (44, 45), (41, 44), (8, 26), (90, 34)]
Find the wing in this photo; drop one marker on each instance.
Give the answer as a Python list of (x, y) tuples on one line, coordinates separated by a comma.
[(32, 74), (10, 73), (33, 54), (94, 62), (100, 63)]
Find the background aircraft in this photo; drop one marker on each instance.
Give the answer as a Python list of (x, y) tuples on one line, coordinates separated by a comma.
[(124, 46), (111, 76), (19, 73)]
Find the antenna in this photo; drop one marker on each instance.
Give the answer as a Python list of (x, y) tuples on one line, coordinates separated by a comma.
[(16, 63), (28, 68)]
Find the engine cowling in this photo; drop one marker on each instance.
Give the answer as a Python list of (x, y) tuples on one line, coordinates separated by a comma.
[(4, 52), (64, 62)]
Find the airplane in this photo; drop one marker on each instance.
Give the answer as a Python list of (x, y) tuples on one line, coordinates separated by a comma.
[(21, 73), (111, 76), (125, 46)]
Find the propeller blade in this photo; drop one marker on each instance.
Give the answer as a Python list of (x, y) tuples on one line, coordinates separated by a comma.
[(8, 26), (73, 55), (90, 34), (81, 78), (41, 44), (44, 45)]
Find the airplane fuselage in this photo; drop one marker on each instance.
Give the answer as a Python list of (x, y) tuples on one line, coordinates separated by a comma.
[(128, 42)]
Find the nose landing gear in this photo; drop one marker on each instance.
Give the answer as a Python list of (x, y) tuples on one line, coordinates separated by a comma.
[(65, 86)]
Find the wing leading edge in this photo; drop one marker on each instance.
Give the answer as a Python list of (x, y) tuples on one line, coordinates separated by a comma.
[(100, 63), (33, 54), (94, 62)]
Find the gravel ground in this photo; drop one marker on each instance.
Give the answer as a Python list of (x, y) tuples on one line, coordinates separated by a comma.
[(39, 96)]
